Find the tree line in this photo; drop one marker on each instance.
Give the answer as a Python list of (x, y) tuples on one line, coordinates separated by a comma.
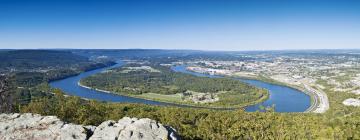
[(202, 123)]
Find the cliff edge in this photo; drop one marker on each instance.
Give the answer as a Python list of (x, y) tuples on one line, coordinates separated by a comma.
[(34, 126)]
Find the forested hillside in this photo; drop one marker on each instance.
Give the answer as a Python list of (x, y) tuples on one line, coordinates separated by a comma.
[(202, 123), (24, 70), (32, 67), (34, 59)]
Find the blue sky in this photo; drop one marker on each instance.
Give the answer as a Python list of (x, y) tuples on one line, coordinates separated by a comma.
[(180, 24)]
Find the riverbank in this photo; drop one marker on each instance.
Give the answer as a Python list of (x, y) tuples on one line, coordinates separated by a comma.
[(287, 100), (319, 101), (88, 68)]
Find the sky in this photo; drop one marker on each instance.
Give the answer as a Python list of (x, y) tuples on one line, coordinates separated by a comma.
[(231, 25)]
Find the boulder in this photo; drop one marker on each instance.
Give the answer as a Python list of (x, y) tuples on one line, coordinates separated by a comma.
[(132, 129), (352, 102), (33, 126)]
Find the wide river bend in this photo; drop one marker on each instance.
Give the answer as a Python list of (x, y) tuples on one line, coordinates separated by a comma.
[(284, 98)]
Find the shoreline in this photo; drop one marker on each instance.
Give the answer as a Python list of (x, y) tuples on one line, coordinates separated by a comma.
[(319, 100), (81, 85), (79, 72), (177, 104)]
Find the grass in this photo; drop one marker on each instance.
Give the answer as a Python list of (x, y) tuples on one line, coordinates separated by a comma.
[(161, 97), (226, 100)]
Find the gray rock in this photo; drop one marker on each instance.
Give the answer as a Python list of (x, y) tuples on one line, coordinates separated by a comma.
[(131, 129), (33, 126), (352, 102)]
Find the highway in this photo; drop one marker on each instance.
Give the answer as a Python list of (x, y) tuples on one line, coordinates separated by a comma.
[(321, 102)]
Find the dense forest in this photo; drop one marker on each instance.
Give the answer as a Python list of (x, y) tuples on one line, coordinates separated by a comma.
[(26, 69), (162, 80), (203, 123), (194, 123), (32, 67), (29, 79), (33, 59)]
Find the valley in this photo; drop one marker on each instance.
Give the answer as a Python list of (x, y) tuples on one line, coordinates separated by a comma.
[(172, 90)]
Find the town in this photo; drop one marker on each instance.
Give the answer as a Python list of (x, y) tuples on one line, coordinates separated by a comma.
[(309, 73)]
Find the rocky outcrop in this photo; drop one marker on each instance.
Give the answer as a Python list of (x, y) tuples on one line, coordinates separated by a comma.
[(131, 128), (33, 126), (352, 102)]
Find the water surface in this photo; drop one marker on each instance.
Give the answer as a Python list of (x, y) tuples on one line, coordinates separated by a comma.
[(70, 86)]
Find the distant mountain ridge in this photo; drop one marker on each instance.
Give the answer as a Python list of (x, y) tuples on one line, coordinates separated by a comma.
[(30, 59)]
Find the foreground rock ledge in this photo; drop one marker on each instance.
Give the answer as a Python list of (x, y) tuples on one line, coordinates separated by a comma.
[(352, 102), (34, 126)]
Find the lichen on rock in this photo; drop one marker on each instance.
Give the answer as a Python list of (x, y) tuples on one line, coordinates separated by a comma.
[(33, 126)]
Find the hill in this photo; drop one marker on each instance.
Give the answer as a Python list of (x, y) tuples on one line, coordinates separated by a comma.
[(35, 59)]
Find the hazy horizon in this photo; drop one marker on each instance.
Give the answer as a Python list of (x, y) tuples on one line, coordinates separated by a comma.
[(182, 25)]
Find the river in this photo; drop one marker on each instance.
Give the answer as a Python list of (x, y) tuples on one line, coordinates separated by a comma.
[(284, 98)]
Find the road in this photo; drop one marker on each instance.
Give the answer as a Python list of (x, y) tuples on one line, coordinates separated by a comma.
[(321, 102)]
